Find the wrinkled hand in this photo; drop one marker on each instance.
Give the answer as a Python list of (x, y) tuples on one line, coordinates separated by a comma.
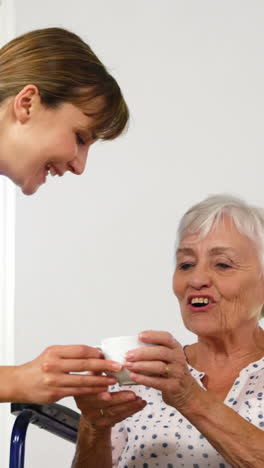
[(52, 375), (167, 365), (104, 410)]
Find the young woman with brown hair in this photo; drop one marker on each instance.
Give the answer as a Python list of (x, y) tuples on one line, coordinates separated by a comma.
[(56, 100)]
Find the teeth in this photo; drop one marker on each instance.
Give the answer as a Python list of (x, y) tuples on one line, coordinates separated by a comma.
[(52, 171), (200, 300)]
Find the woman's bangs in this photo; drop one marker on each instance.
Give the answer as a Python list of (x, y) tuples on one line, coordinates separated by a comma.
[(108, 109)]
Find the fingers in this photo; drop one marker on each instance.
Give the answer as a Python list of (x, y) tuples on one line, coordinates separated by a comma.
[(159, 383), (148, 367), (65, 359), (159, 338), (50, 377), (177, 385), (151, 353), (121, 397), (154, 359), (56, 393), (73, 352), (82, 365), (105, 399), (75, 380), (108, 414), (78, 392), (121, 411)]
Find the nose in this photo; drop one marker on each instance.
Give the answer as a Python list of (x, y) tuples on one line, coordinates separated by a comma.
[(78, 163), (200, 279)]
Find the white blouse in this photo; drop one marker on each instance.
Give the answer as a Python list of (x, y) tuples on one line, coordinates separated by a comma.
[(159, 436)]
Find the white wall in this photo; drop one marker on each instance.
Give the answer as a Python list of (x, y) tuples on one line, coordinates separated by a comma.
[(94, 254), (7, 259)]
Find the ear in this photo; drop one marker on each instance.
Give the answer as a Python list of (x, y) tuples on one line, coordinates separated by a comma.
[(25, 102)]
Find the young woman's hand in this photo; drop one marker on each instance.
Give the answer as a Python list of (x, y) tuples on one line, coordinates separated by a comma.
[(55, 374)]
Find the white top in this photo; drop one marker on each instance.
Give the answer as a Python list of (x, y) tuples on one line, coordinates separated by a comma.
[(159, 436)]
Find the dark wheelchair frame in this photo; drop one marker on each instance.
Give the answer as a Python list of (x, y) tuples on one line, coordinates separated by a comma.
[(54, 418)]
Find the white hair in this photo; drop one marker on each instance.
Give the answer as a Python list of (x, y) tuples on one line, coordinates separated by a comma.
[(202, 217)]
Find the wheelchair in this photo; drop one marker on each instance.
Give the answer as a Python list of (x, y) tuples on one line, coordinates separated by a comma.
[(57, 419)]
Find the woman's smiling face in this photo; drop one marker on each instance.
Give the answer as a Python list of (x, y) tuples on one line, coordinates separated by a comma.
[(58, 141), (44, 139), (218, 280)]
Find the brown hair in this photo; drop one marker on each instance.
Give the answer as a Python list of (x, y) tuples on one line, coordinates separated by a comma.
[(64, 69)]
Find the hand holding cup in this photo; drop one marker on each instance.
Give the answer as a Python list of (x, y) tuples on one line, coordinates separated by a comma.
[(115, 349)]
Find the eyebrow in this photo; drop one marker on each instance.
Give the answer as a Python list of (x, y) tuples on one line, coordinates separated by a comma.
[(91, 114), (213, 251)]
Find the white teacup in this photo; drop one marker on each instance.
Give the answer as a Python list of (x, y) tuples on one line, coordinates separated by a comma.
[(115, 349)]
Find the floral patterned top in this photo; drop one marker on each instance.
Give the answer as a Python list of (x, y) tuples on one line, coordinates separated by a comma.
[(159, 436)]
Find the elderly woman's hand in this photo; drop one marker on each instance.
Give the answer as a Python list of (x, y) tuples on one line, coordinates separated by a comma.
[(58, 373), (167, 366), (104, 410)]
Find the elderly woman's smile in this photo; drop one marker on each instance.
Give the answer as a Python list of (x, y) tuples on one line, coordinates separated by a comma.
[(218, 279), (200, 302)]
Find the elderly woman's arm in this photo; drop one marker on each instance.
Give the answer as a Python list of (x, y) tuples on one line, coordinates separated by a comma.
[(240, 442), (93, 447), (99, 414)]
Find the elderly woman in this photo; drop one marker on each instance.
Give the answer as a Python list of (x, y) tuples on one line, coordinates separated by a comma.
[(56, 100), (201, 405)]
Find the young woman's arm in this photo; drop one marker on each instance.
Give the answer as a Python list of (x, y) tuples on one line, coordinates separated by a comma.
[(55, 374)]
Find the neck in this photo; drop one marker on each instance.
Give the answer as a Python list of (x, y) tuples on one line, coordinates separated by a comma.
[(230, 349)]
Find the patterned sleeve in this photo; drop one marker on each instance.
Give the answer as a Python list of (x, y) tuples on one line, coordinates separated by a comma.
[(119, 435), (119, 440)]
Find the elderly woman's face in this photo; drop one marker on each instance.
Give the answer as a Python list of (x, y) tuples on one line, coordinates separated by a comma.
[(218, 280)]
